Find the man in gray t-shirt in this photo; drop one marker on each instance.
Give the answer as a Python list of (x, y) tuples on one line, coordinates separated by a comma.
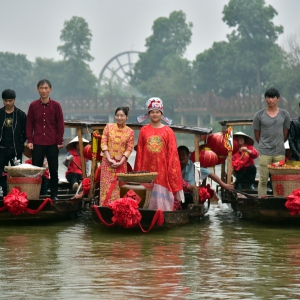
[(271, 126)]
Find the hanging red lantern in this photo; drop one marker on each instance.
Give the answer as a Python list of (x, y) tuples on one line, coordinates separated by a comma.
[(87, 153), (192, 156), (221, 159), (208, 158), (216, 142)]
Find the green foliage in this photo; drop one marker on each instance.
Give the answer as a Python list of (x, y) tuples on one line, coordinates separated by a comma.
[(69, 78), (15, 69), (77, 37), (161, 71), (254, 36), (284, 71), (170, 37), (173, 80), (215, 69)]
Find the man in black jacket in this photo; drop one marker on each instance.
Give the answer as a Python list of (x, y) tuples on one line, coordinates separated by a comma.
[(294, 139), (12, 134)]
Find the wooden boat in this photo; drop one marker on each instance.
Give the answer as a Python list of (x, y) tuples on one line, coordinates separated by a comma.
[(61, 209), (269, 209), (66, 207), (103, 215)]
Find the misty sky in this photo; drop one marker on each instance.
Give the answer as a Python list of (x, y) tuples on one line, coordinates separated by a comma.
[(33, 27)]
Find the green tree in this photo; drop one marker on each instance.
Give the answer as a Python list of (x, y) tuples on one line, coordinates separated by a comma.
[(254, 36), (215, 69), (170, 37), (284, 71), (77, 37), (69, 78), (15, 70), (173, 80)]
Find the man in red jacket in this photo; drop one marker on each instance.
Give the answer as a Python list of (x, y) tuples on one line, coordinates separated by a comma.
[(44, 131)]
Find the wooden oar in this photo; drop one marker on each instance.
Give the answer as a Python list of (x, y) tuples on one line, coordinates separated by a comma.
[(245, 194), (77, 165)]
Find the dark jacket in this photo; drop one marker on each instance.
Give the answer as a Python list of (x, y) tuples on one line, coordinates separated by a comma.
[(19, 128), (294, 139)]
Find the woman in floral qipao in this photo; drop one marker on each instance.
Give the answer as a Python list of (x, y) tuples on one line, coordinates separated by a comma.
[(116, 144), (157, 152)]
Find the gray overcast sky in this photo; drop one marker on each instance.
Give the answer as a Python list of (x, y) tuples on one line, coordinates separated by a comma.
[(33, 27)]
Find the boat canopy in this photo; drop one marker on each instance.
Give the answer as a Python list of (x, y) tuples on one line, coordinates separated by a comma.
[(94, 125)]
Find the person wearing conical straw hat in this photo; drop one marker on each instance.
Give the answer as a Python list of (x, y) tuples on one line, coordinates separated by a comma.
[(157, 152), (73, 162), (243, 161)]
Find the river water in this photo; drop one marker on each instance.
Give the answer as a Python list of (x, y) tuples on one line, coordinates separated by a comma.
[(220, 257)]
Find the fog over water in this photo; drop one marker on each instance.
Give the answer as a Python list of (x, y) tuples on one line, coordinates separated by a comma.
[(33, 27)]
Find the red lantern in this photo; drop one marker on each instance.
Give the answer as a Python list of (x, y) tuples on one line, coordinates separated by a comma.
[(208, 158), (87, 153), (221, 159), (216, 142), (201, 147)]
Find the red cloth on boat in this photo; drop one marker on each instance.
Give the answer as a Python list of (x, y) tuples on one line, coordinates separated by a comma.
[(157, 152)]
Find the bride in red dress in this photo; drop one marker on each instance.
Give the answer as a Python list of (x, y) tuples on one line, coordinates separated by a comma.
[(157, 152)]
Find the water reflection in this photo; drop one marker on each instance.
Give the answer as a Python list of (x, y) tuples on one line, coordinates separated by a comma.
[(223, 257)]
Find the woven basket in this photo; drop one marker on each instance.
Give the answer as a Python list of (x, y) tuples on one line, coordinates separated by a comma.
[(32, 186), (284, 185), (31, 171), (137, 177), (284, 170)]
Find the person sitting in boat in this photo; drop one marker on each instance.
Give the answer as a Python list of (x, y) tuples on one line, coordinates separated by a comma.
[(73, 162), (188, 175), (157, 152), (243, 161)]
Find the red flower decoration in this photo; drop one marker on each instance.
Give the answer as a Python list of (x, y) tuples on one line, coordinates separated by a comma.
[(293, 202), (278, 164), (16, 201), (203, 194), (125, 211), (279, 189), (237, 164)]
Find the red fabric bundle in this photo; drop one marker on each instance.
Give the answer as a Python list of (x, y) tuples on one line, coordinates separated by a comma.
[(293, 202), (203, 194), (210, 191), (125, 211), (86, 185), (16, 201), (237, 164)]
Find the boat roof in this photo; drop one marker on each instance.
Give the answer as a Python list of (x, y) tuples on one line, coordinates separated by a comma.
[(94, 125), (236, 122)]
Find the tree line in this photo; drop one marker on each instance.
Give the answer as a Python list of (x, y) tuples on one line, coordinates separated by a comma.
[(248, 62)]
